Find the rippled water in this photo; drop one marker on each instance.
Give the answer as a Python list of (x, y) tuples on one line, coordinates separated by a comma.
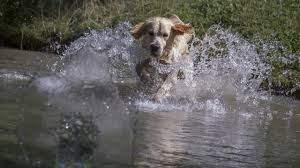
[(92, 112)]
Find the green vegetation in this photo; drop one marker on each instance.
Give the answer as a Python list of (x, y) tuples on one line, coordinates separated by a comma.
[(33, 24), (285, 78)]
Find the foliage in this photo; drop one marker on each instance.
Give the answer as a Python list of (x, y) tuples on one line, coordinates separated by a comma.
[(32, 23)]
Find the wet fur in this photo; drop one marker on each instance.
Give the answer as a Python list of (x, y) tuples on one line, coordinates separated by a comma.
[(166, 34)]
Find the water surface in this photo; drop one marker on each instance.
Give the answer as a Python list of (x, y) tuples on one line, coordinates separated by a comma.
[(91, 112)]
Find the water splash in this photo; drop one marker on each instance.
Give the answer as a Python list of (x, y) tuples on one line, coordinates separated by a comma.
[(14, 76), (226, 68), (94, 65), (100, 57), (228, 65)]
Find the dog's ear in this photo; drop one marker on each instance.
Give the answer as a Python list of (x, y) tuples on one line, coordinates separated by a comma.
[(182, 28), (175, 19), (138, 30)]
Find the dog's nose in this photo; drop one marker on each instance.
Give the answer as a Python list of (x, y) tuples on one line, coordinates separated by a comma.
[(154, 47)]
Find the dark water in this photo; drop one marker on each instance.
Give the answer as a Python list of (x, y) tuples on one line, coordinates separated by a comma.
[(90, 113)]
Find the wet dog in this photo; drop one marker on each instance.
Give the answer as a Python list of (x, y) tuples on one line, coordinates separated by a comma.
[(166, 40)]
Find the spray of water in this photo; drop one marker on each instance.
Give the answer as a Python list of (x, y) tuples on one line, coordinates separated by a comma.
[(228, 65), (98, 58), (226, 68)]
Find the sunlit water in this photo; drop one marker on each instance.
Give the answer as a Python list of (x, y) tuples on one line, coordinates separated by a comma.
[(92, 112)]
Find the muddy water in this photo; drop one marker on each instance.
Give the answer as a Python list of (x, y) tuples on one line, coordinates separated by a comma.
[(86, 109)]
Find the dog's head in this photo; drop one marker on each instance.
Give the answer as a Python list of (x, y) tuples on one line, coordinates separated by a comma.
[(156, 31)]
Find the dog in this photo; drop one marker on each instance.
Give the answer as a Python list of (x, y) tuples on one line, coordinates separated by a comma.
[(166, 41)]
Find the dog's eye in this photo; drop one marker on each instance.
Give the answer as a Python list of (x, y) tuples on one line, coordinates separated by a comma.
[(165, 35), (151, 33)]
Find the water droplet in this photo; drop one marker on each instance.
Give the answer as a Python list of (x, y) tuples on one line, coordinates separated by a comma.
[(67, 126)]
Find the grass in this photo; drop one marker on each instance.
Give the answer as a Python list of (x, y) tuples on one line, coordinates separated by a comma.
[(40, 25), (34, 24), (30, 24)]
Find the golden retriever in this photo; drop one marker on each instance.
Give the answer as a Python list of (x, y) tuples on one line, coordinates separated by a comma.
[(166, 40)]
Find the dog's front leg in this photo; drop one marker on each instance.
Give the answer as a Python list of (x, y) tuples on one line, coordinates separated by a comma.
[(168, 84)]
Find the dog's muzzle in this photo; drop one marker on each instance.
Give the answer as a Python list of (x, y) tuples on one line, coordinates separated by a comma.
[(154, 48)]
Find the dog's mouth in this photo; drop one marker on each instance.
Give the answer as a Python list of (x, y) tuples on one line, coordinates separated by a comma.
[(159, 57), (155, 53), (161, 60)]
